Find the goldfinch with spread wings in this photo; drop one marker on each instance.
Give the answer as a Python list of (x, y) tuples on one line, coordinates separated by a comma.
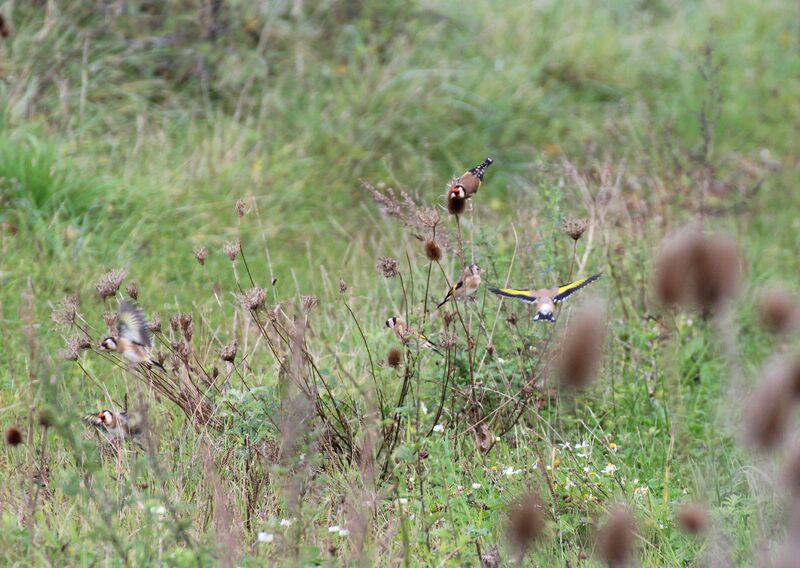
[(465, 287), (545, 299), (115, 426), (408, 335), (134, 340)]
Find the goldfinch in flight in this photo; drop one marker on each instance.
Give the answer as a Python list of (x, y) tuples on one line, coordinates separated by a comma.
[(545, 299), (133, 340), (116, 426), (408, 335), (465, 287)]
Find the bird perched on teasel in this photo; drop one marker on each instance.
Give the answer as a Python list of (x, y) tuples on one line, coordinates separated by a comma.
[(410, 336), (134, 339), (545, 299), (115, 426), (466, 286), (465, 186)]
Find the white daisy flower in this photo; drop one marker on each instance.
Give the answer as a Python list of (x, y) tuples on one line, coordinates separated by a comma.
[(286, 522), (265, 537), (476, 485), (438, 428), (609, 469)]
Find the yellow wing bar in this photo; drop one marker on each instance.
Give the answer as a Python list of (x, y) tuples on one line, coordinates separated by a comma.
[(568, 290), (523, 295)]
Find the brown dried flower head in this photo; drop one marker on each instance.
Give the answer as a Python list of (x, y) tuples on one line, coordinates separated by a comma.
[(791, 470), (387, 267), (491, 558), (309, 303), (69, 353), (110, 319), (45, 418), (574, 228), (241, 208), (615, 540), (155, 324), (232, 249), (525, 523), (175, 322), (778, 310), (692, 518), (186, 321), (394, 357), (228, 353), (133, 290), (65, 312), (253, 299), (342, 286), (109, 284), (433, 251), (5, 30), (448, 339), (429, 217), (13, 436), (768, 409), (581, 354), (201, 255)]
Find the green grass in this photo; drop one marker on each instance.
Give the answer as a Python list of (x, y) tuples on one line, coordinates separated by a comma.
[(127, 139)]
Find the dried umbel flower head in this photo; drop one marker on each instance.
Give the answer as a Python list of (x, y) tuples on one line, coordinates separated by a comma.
[(133, 290), (253, 299), (769, 408), (175, 322), (581, 354), (66, 311), (109, 284), (13, 436), (201, 255), (574, 228), (110, 319), (692, 518), (491, 558), (394, 357), (447, 340), (228, 353), (387, 267), (778, 310), (615, 540), (525, 523), (309, 303), (69, 353), (155, 324), (429, 217), (186, 321), (433, 251), (232, 249), (241, 208)]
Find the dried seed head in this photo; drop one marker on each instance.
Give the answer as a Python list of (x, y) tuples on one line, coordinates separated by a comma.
[(69, 353), (45, 418), (616, 539), (109, 284), (5, 31), (433, 251), (387, 267), (768, 409), (778, 310), (241, 208), (13, 436), (232, 249), (582, 351), (692, 518), (110, 319), (175, 322), (394, 357), (342, 286), (525, 523), (429, 217), (228, 353), (574, 227), (155, 325), (791, 470), (512, 319), (491, 558), (253, 299), (309, 303), (181, 350), (186, 321), (201, 255), (65, 312), (448, 339), (188, 331), (133, 290)]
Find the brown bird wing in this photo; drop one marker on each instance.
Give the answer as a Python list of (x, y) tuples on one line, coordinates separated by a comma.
[(132, 326)]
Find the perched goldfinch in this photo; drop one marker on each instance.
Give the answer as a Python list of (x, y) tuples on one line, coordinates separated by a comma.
[(467, 185), (465, 287), (116, 426), (410, 336), (545, 299), (134, 339)]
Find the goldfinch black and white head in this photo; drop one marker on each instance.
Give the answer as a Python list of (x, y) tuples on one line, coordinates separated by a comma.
[(134, 339)]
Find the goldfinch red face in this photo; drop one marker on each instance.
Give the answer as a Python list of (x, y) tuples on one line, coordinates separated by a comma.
[(109, 344), (457, 192), (106, 417)]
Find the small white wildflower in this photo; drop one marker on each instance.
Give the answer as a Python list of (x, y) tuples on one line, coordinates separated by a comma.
[(640, 491), (334, 529), (586, 469), (569, 484), (344, 532), (159, 511), (582, 444), (438, 428), (501, 360), (265, 537), (286, 522), (509, 471), (423, 408), (609, 469), (476, 485), (402, 500), (565, 446)]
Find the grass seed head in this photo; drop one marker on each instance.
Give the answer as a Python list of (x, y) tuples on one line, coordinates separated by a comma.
[(13, 436), (433, 251), (387, 267), (109, 283), (394, 357), (615, 540), (342, 286)]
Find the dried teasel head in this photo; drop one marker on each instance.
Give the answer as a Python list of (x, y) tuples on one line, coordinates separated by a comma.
[(133, 290), (526, 523), (201, 255), (768, 410), (232, 249), (45, 418), (394, 357), (387, 267), (109, 283), (228, 353), (778, 310), (581, 353), (253, 299), (574, 228), (13, 436), (616, 538), (433, 251), (692, 518)]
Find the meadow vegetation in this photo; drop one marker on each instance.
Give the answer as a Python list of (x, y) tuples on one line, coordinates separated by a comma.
[(267, 180)]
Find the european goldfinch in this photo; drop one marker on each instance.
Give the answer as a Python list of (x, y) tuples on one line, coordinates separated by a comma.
[(466, 286), (133, 340), (468, 183), (116, 426), (545, 299), (408, 335)]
